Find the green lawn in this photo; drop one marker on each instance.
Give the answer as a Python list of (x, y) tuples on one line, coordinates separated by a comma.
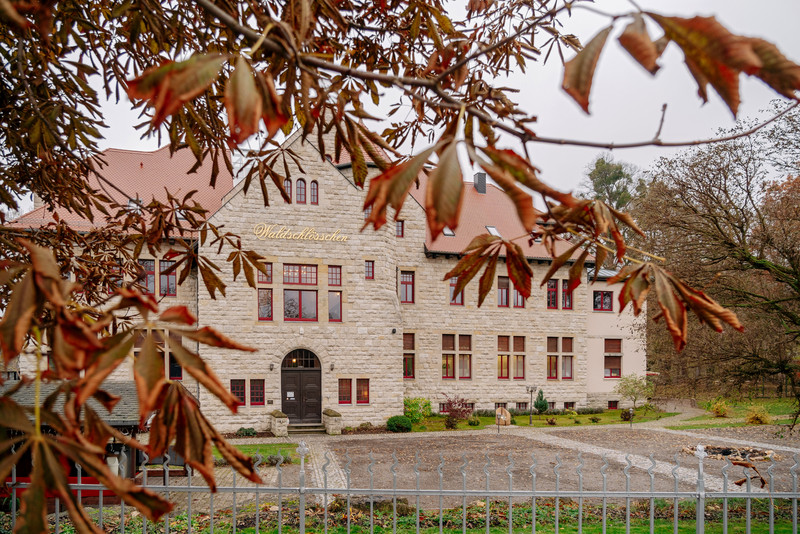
[(264, 449), (721, 423), (436, 422), (739, 409)]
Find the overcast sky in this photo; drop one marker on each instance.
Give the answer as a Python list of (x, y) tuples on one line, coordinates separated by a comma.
[(626, 101)]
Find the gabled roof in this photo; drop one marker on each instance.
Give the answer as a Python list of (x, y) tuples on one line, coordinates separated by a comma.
[(144, 175)]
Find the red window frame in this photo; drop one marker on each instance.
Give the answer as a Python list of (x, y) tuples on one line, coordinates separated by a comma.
[(345, 391), (461, 366), (300, 297), (567, 371), (449, 366), (552, 294), (334, 275), (502, 366), (408, 365), (609, 371), (613, 405), (605, 302), (566, 295), (256, 392), (174, 370), (399, 229), (522, 406), (334, 298), (407, 287), (238, 390), (299, 274), (552, 367), (517, 374), (369, 269), (265, 278), (287, 185), (362, 391), (457, 300), (167, 281), (502, 291), (313, 193), (264, 299), (300, 191), (519, 300), (149, 280), (569, 405)]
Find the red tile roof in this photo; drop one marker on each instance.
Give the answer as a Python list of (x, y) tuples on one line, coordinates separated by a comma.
[(145, 175)]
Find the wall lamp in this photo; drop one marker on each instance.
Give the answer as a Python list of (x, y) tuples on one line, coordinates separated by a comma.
[(332, 366), (271, 366)]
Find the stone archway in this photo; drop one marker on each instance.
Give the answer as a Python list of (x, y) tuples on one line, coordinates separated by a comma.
[(301, 387)]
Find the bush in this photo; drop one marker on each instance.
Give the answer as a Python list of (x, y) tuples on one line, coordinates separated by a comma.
[(625, 415), (758, 415), (589, 411), (399, 423), (450, 422), (540, 404), (577, 421), (513, 421), (365, 426), (594, 419), (456, 407), (474, 421), (416, 408), (551, 421), (245, 432), (719, 408)]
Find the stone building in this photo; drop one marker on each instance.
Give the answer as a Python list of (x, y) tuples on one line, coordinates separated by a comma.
[(355, 321)]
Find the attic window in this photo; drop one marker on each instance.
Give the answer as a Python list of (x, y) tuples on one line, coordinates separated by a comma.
[(448, 232), (492, 230), (135, 205)]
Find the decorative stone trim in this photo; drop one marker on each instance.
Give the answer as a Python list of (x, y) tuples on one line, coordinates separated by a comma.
[(332, 420)]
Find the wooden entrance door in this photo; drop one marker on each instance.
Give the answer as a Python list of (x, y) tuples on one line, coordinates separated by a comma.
[(301, 391)]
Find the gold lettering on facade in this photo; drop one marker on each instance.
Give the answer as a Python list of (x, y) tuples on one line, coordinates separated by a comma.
[(275, 231)]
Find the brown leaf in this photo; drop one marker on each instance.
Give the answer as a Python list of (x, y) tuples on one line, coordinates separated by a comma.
[(636, 286), (576, 271), (33, 508), (103, 364), (487, 278), (560, 261), (637, 42), (18, 317), (673, 311), (243, 102), (209, 336), (776, 71), (706, 308), (171, 84), (14, 416), (528, 215), (579, 71), (178, 314), (195, 366), (519, 271), (274, 118), (445, 192), (148, 373)]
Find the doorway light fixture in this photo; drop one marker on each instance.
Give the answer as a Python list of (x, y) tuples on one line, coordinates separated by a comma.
[(271, 366), (332, 365)]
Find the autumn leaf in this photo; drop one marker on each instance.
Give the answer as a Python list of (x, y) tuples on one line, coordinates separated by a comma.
[(178, 314), (579, 71), (243, 102), (196, 366), (274, 118), (776, 71), (637, 42), (519, 271), (523, 202), (148, 374), (561, 260), (209, 336), (172, 84), (18, 317), (445, 192), (487, 278)]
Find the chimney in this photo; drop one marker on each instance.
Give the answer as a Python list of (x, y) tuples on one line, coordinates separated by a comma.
[(479, 181)]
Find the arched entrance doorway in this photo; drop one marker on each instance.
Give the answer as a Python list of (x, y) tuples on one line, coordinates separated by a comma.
[(301, 391)]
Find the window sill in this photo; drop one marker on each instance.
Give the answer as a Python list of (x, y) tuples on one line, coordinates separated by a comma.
[(300, 320)]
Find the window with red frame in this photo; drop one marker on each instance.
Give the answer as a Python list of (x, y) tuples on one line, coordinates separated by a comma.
[(552, 367), (287, 185), (464, 366), (313, 192), (264, 304), (449, 366), (613, 405), (301, 191), (237, 389), (335, 306), (369, 269), (502, 366), (345, 391), (407, 287), (148, 279), (569, 405), (566, 367), (500, 405), (334, 275), (265, 278), (305, 275), (603, 301), (299, 305), (456, 300), (522, 406), (566, 295), (613, 367), (502, 291), (175, 369), (256, 392), (519, 367), (519, 300), (408, 365), (399, 228), (552, 294), (362, 391), (168, 286)]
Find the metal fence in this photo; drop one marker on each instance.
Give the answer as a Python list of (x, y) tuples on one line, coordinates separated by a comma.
[(472, 494)]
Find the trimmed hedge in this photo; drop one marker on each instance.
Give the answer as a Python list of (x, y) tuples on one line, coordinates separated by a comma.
[(399, 423)]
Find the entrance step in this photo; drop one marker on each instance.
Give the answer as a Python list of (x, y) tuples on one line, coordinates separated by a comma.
[(306, 428)]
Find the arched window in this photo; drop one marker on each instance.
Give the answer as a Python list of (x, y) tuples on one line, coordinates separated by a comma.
[(301, 191), (314, 192), (287, 184)]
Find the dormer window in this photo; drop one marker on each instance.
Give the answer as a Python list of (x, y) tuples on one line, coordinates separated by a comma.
[(448, 232), (492, 230)]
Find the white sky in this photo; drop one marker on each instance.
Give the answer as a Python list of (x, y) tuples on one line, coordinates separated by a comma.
[(626, 101)]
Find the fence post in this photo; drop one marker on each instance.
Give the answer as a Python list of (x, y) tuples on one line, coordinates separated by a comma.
[(302, 450), (700, 511)]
